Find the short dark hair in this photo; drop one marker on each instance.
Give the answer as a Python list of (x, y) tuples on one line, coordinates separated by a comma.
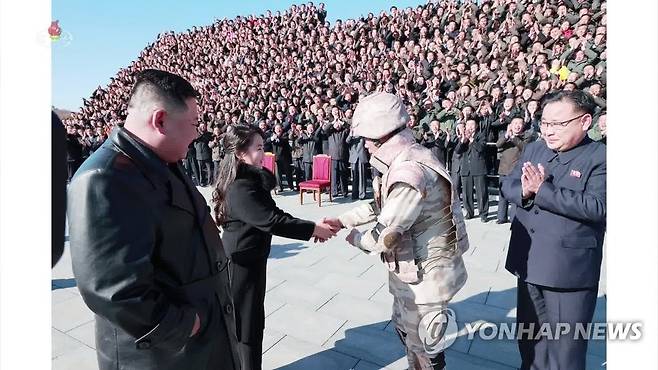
[(172, 88), (581, 100)]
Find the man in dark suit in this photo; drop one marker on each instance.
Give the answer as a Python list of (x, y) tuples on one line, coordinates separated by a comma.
[(204, 155), (555, 250), (358, 160), (190, 164), (311, 145), (283, 153), (453, 159), (146, 253), (435, 140), (473, 171), (337, 132)]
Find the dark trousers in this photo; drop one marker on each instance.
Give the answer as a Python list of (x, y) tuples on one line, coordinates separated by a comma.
[(215, 171), (192, 170), (359, 180), (547, 306), (503, 204), (248, 292), (338, 177), (299, 170), (205, 171), (481, 192), (284, 168), (251, 357), (491, 159), (308, 170)]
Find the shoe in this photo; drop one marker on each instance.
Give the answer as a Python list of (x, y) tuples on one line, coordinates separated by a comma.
[(500, 222), (484, 220), (468, 217)]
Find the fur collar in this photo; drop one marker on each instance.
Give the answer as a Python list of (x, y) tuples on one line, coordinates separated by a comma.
[(261, 176)]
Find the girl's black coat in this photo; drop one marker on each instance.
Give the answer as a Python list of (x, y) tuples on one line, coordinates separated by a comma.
[(252, 219)]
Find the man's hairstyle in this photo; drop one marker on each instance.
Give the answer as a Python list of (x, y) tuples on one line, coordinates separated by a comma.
[(172, 89), (581, 100)]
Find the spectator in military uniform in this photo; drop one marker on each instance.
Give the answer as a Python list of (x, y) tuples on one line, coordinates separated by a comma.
[(511, 146)]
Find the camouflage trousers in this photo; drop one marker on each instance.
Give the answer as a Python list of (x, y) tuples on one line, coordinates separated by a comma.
[(411, 324)]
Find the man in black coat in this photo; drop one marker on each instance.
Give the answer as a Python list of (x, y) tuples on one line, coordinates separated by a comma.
[(454, 159), (190, 164), (58, 186), (472, 146), (73, 151), (556, 246), (435, 140), (147, 255), (204, 155), (311, 145), (283, 152), (337, 132)]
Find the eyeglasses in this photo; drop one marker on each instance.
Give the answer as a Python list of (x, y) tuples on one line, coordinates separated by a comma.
[(559, 125)]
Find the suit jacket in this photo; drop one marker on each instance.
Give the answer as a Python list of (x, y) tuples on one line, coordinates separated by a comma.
[(281, 148), (473, 161), (436, 145), (147, 258), (357, 149), (252, 219), (337, 145), (311, 145), (511, 150), (557, 236), (203, 151)]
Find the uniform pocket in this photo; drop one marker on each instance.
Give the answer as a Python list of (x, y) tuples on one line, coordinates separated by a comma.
[(587, 242)]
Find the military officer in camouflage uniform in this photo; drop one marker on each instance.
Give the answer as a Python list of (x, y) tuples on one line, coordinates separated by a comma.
[(419, 235)]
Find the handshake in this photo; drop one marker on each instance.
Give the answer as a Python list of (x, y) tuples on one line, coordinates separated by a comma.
[(328, 228)]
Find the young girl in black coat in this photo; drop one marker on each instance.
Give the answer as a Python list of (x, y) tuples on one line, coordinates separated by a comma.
[(248, 215)]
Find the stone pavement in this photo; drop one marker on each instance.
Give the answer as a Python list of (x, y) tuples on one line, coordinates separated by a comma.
[(328, 305)]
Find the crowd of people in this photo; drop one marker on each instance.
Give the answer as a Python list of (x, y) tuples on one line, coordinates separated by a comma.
[(472, 76)]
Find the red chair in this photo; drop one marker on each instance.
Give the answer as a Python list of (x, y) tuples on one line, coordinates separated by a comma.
[(321, 179), (269, 162)]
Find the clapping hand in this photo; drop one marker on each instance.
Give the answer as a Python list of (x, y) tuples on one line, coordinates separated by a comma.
[(531, 179)]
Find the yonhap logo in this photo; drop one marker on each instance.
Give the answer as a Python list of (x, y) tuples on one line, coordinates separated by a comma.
[(438, 330)]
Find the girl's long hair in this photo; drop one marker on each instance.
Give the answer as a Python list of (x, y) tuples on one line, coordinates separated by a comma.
[(236, 140)]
